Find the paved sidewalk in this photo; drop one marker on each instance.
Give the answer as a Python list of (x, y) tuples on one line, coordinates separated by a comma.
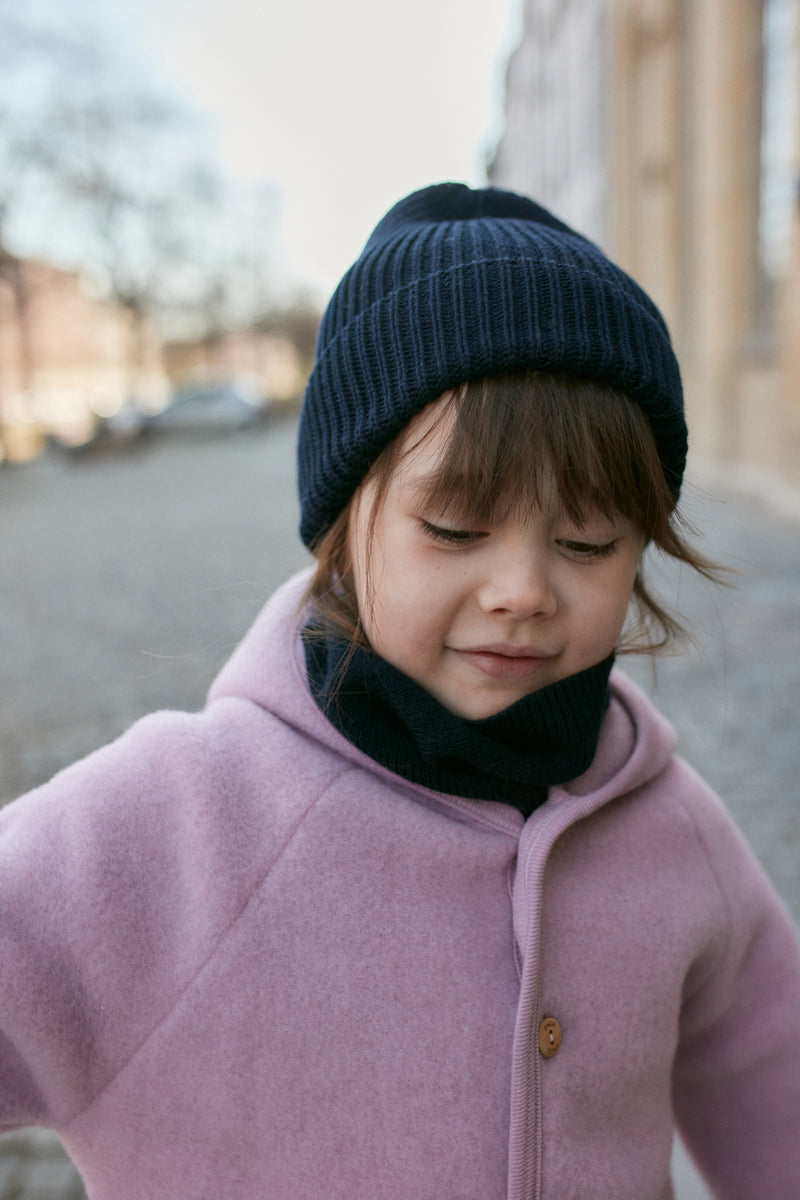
[(33, 1166)]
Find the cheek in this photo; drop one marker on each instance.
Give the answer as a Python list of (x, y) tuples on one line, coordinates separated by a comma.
[(382, 585), (618, 597), (607, 605), (409, 602)]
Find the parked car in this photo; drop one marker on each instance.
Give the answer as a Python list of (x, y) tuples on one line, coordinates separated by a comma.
[(121, 431), (210, 408)]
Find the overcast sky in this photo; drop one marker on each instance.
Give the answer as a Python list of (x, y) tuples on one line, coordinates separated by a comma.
[(346, 104)]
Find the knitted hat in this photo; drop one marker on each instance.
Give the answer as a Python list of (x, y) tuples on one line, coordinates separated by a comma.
[(457, 284)]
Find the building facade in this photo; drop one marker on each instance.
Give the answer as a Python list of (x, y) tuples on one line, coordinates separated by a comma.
[(669, 132)]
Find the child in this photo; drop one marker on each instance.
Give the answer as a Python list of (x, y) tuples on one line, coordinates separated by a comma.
[(422, 905)]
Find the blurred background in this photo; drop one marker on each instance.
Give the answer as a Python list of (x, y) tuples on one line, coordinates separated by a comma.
[(181, 185)]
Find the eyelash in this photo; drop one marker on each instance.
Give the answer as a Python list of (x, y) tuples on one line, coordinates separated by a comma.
[(454, 537), (589, 550), (463, 537)]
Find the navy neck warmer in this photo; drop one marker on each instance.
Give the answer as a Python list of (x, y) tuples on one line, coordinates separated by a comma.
[(546, 738)]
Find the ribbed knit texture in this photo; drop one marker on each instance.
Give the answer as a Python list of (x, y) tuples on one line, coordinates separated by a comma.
[(546, 738), (457, 284)]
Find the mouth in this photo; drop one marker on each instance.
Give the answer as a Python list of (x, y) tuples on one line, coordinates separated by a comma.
[(504, 661)]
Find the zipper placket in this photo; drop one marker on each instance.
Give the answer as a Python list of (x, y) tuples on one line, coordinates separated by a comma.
[(525, 1137)]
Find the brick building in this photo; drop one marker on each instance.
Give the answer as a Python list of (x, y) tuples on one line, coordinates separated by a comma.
[(67, 357)]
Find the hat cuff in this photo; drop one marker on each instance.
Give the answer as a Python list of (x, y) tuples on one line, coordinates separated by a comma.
[(468, 321)]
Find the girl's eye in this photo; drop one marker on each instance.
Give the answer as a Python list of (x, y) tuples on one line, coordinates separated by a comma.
[(453, 537), (587, 550)]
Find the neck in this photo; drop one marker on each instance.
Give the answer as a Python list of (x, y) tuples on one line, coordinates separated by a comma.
[(546, 738)]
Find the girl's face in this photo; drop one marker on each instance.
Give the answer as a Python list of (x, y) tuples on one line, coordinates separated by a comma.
[(482, 614)]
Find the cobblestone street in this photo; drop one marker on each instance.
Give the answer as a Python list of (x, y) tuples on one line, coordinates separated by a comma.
[(126, 582)]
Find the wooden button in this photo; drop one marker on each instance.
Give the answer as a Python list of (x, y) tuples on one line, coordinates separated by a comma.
[(549, 1037)]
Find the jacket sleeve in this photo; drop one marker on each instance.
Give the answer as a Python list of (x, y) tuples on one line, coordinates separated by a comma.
[(118, 879), (737, 1072)]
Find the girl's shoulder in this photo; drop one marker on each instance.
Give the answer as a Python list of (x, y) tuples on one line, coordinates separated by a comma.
[(639, 783)]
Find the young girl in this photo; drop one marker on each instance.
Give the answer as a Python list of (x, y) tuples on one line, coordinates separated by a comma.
[(423, 905)]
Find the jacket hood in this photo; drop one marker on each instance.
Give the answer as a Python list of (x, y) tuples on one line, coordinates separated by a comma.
[(268, 669)]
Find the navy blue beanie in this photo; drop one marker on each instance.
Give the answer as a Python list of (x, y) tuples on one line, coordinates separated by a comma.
[(456, 284)]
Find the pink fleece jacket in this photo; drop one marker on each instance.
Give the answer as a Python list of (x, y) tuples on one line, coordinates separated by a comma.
[(241, 961)]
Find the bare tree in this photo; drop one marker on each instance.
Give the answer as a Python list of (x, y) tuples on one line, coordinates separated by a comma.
[(28, 46), (106, 171), (101, 169)]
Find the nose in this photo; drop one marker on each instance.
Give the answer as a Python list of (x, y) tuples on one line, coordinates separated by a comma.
[(519, 584)]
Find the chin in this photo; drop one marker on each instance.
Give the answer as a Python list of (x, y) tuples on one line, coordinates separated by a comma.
[(479, 708)]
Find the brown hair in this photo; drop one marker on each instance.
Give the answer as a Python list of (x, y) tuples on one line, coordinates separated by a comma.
[(513, 435)]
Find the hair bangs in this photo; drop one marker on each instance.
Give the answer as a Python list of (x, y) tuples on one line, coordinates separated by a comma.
[(518, 437)]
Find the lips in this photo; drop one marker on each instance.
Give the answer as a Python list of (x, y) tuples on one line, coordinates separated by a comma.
[(504, 661)]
